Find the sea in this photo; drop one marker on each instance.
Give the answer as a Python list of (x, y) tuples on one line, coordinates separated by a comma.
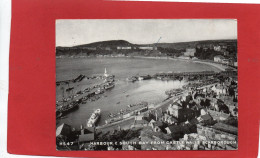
[(124, 92)]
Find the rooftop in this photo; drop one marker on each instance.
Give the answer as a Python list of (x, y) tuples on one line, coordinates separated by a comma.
[(226, 128), (175, 128), (206, 117), (62, 129), (86, 137), (158, 123)]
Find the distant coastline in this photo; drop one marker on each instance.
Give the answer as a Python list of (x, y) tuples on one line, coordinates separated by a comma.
[(216, 65)]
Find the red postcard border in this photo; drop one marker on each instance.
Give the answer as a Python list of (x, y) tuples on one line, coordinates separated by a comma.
[(31, 103)]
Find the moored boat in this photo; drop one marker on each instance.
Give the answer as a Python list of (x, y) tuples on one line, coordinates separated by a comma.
[(111, 85), (94, 118), (132, 79), (70, 107)]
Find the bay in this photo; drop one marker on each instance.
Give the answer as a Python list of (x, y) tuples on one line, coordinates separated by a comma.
[(124, 92)]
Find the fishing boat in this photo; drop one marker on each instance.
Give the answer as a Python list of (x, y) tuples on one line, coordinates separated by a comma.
[(94, 118), (69, 107), (109, 86), (132, 79)]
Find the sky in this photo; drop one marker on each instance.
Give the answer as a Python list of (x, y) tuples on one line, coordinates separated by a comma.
[(143, 31)]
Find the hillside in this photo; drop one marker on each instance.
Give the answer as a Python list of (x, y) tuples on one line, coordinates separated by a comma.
[(193, 44), (204, 49), (179, 45), (112, 43)]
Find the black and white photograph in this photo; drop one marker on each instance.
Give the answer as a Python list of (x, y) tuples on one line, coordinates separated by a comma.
[(146, 84)]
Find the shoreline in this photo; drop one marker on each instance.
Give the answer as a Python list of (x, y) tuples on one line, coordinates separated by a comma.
[(216, 65), (213, 64)]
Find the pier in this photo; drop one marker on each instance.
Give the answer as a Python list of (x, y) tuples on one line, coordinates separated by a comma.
[(91, 93)]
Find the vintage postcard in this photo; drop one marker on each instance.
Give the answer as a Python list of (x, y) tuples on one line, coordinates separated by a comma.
[(146, 84)]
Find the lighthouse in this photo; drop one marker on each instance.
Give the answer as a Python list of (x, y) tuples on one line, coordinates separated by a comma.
[(106, 74)]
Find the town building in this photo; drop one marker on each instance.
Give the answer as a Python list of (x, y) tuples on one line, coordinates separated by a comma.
[(157, 126), (217, 115), (86, 135), (208, 138), (157, 114), (147, 48), (63, 130), (175, 131), (225, 61), (89, 48), (235, 64), (226, 128), (141, 121), (218, 58), (124, 48), (169, 119), (220, 89), (205, 119), (190, 52), (182, 114), (226, 53), (217, 48)]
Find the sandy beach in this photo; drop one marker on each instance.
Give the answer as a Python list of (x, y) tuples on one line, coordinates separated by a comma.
[(216, 65)]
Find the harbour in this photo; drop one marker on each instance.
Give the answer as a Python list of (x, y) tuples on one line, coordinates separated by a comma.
[(123, 93)]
